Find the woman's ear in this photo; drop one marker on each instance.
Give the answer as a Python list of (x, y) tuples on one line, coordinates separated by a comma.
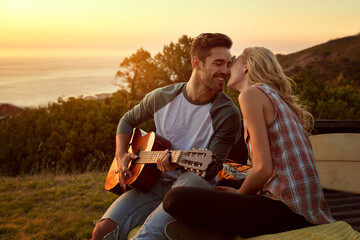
[(196, 63), (245, 69)]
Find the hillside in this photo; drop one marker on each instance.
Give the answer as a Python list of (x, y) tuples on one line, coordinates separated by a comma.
[(8, 109), (328, 59)]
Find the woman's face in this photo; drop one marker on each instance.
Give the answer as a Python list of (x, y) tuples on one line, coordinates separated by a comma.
[(238, 72)]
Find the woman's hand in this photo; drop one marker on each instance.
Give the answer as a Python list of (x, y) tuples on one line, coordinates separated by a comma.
[(225, 189)]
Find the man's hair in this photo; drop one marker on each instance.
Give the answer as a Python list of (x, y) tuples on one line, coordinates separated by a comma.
[(202, 44)]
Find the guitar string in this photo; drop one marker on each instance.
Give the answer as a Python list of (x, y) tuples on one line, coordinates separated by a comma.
[(152, 156)]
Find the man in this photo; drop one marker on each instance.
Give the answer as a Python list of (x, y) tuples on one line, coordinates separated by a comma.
[(190, 115)]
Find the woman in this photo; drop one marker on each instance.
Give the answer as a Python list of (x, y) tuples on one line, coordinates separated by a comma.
[(282, 191)]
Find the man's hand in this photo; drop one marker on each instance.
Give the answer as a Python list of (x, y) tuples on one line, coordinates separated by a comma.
[(124, 160), (225, 189), (163, 163), (213, 169)]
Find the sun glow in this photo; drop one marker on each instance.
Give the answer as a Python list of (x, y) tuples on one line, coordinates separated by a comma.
[(109, 27)]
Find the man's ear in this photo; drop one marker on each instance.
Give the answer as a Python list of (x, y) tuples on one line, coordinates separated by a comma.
[(196, 63)]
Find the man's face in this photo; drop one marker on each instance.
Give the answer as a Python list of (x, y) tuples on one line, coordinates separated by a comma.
[(215, 70)]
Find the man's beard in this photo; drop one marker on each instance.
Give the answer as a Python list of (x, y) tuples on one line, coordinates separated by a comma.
[(218, 81)]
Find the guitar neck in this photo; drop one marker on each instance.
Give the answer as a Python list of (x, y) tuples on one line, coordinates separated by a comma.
[(146, 157)]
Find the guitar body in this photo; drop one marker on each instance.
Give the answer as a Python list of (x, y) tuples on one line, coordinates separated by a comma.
[(144, 176)]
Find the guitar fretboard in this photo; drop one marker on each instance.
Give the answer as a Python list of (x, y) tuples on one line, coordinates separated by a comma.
[(146, 157)]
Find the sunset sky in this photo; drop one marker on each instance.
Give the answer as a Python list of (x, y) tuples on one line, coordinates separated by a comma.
[(119, 28)]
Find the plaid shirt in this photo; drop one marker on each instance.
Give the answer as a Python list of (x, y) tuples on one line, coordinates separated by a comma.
[(295, 181)]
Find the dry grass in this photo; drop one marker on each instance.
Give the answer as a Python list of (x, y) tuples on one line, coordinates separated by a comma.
[(49, 206)]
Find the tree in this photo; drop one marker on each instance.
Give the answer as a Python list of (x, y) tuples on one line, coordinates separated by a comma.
[(175, 60), (337, 100), (142, 73)]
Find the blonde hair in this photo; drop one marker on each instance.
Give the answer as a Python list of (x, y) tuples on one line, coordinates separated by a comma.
[(263, 67)]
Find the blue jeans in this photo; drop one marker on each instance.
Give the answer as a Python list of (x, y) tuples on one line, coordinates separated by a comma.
[(134, 208)]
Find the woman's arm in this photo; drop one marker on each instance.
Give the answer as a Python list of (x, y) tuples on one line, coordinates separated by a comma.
[(254, 104)]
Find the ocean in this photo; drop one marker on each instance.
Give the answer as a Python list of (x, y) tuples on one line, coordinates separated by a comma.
[(30, 82)]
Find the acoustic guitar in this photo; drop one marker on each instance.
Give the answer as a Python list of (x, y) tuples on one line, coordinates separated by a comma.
[(149, 147)]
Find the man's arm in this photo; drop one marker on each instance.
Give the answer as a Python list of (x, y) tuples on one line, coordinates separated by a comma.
[(138, 114), (226, 135)]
